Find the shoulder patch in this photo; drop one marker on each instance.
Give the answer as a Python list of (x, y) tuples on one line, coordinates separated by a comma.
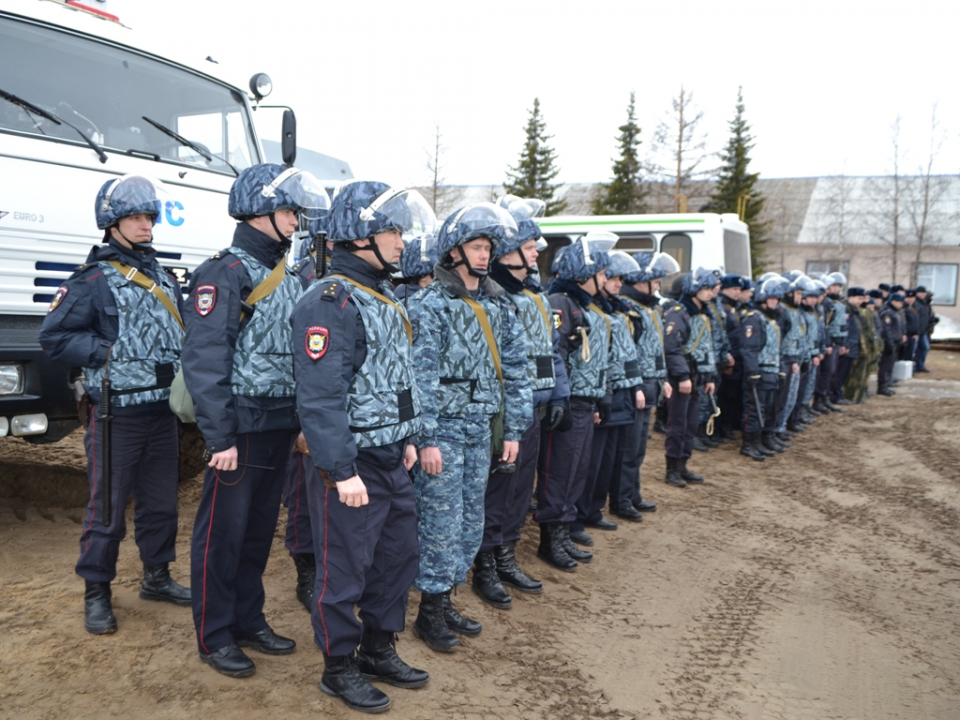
[(748, 331), (205, 299), (58, 297), (886, 319), (670, 327), (317, 341), (557, 319)]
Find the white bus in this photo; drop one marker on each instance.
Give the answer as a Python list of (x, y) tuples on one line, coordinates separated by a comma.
[(84, 99), (693, 239)]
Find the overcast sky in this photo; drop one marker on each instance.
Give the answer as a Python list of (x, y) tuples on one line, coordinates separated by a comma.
[(822, 81)]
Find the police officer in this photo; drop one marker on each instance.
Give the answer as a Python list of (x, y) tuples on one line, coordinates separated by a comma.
[(721, 343), (359, 407), (691, 369), (585, 332), (509, 489), (912, 324), (893, 334), (239, 371), (792, 350), (855, 296), (730, 390), (760, 350), (119, 318), (623, 368), (416, 268), (834, 318), (638, 291), (471, 366)]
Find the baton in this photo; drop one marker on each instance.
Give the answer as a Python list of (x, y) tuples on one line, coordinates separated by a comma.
[(756, 400), (105, 465), (207, 455)]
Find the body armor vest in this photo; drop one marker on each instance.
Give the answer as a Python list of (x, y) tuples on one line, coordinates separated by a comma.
[(383, 401), (536, 319), (469, 385), (653, 365), (769, 358), (588, 377), (791, 345), (699, 345), (262, 359), (624, 366), (146, 354)]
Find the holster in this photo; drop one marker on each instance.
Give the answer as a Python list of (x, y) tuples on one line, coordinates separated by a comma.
[(83, 402)]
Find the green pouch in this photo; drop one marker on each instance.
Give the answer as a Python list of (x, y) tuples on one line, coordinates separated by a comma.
[(180, 401)]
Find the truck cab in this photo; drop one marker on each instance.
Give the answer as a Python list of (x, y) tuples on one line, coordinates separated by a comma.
[(84, 99)]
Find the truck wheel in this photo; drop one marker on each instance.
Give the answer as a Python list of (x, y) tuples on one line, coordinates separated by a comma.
[(191, 451)]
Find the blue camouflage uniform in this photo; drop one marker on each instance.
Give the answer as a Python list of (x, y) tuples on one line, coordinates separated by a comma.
[(835, 322), (760, 353), (460, 393), (792, 348)]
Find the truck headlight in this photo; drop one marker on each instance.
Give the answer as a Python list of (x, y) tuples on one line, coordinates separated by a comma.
[(11, 380), (28, 425)]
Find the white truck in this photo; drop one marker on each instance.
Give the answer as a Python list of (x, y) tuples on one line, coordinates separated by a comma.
[(693, 239), (84, 99)]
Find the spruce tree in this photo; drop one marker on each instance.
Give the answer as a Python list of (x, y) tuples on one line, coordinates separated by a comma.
[(735, 181), (625, 194), (536, 168)]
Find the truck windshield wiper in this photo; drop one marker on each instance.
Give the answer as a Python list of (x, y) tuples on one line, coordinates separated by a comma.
[(29, 107), (205, 154)]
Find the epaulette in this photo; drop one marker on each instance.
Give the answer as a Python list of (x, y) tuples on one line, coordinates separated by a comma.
[(218, 256), (675, 308), (332, 289)]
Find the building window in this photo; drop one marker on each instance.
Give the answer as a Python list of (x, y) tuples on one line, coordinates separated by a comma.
[(939, 279), (679, 246), (816, 268)]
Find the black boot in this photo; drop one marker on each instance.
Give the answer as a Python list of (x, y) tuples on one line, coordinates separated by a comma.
[(486, 582), (673, 473), (510, 573), (158, 585), (783, 439), (698, 444), (430, 625), (551, 549), (580, 537), (377, 659), (811, 413), (573, 551), (306, 578), (342, 679), (727, 433), (659, 427), (832, 405), (819, 405), (457, 622), (97, 614), (707, 440), (689, 477), (749, 447), (230, 660), (769, 441)]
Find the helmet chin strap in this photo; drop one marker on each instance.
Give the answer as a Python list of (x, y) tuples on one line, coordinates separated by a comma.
[(470, 269), (388, 267), (141, 247), (522, 266), (285, 242)]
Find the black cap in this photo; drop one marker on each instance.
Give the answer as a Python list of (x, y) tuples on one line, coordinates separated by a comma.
[(875, 294), (897, 289), (896, 296), (856, 292), (884, 286), (921, 288), (910, 292)]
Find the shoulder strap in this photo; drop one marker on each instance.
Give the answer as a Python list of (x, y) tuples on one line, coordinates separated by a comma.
[(138, 278), (270, 283), (382, 298), (543, 310), (596, 309), (487, 332)]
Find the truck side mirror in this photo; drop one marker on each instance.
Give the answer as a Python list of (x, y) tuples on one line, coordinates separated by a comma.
[(288, 141)]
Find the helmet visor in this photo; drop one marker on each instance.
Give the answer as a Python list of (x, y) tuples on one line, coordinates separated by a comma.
[(662, 265), (522, 208), (135, 195), (601, 240), (302, 190), (485, 220), (405, 211)]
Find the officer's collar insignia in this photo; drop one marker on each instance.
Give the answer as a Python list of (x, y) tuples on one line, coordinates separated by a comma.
[(205, 299), (58, 298), (748, 331), (557, 319), (670, 327), (317, 341)]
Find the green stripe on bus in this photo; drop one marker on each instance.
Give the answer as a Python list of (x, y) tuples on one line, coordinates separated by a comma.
[(547, 223)]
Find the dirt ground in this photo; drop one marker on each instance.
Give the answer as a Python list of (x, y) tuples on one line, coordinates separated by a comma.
[(823, 583)]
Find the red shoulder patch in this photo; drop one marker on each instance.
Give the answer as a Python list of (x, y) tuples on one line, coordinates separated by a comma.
[(748, 331), (670, 327), (557, 318), (317, 341), (205, 299), (58, 297)]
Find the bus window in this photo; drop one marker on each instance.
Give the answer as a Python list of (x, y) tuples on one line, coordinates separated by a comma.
[(736, 253), (636, 242), (679, 247)]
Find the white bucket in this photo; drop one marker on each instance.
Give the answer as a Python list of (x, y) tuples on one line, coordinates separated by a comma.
[(902, 370)]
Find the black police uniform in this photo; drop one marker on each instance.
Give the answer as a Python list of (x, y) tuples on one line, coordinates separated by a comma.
[(730, 392), (366, 556), (893, 332), (238, 510), (79, 330), (761, 379)]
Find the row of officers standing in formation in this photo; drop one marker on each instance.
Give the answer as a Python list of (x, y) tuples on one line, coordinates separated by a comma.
[(407, 427)]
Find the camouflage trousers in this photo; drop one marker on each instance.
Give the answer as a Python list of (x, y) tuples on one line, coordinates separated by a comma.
[(450, 505)]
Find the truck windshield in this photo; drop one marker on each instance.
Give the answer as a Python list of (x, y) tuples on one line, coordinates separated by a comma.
[(106, 91)]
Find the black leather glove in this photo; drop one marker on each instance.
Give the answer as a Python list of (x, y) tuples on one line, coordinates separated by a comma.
[(781, 379), (604, 409), (753, 380), (555, 416)]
